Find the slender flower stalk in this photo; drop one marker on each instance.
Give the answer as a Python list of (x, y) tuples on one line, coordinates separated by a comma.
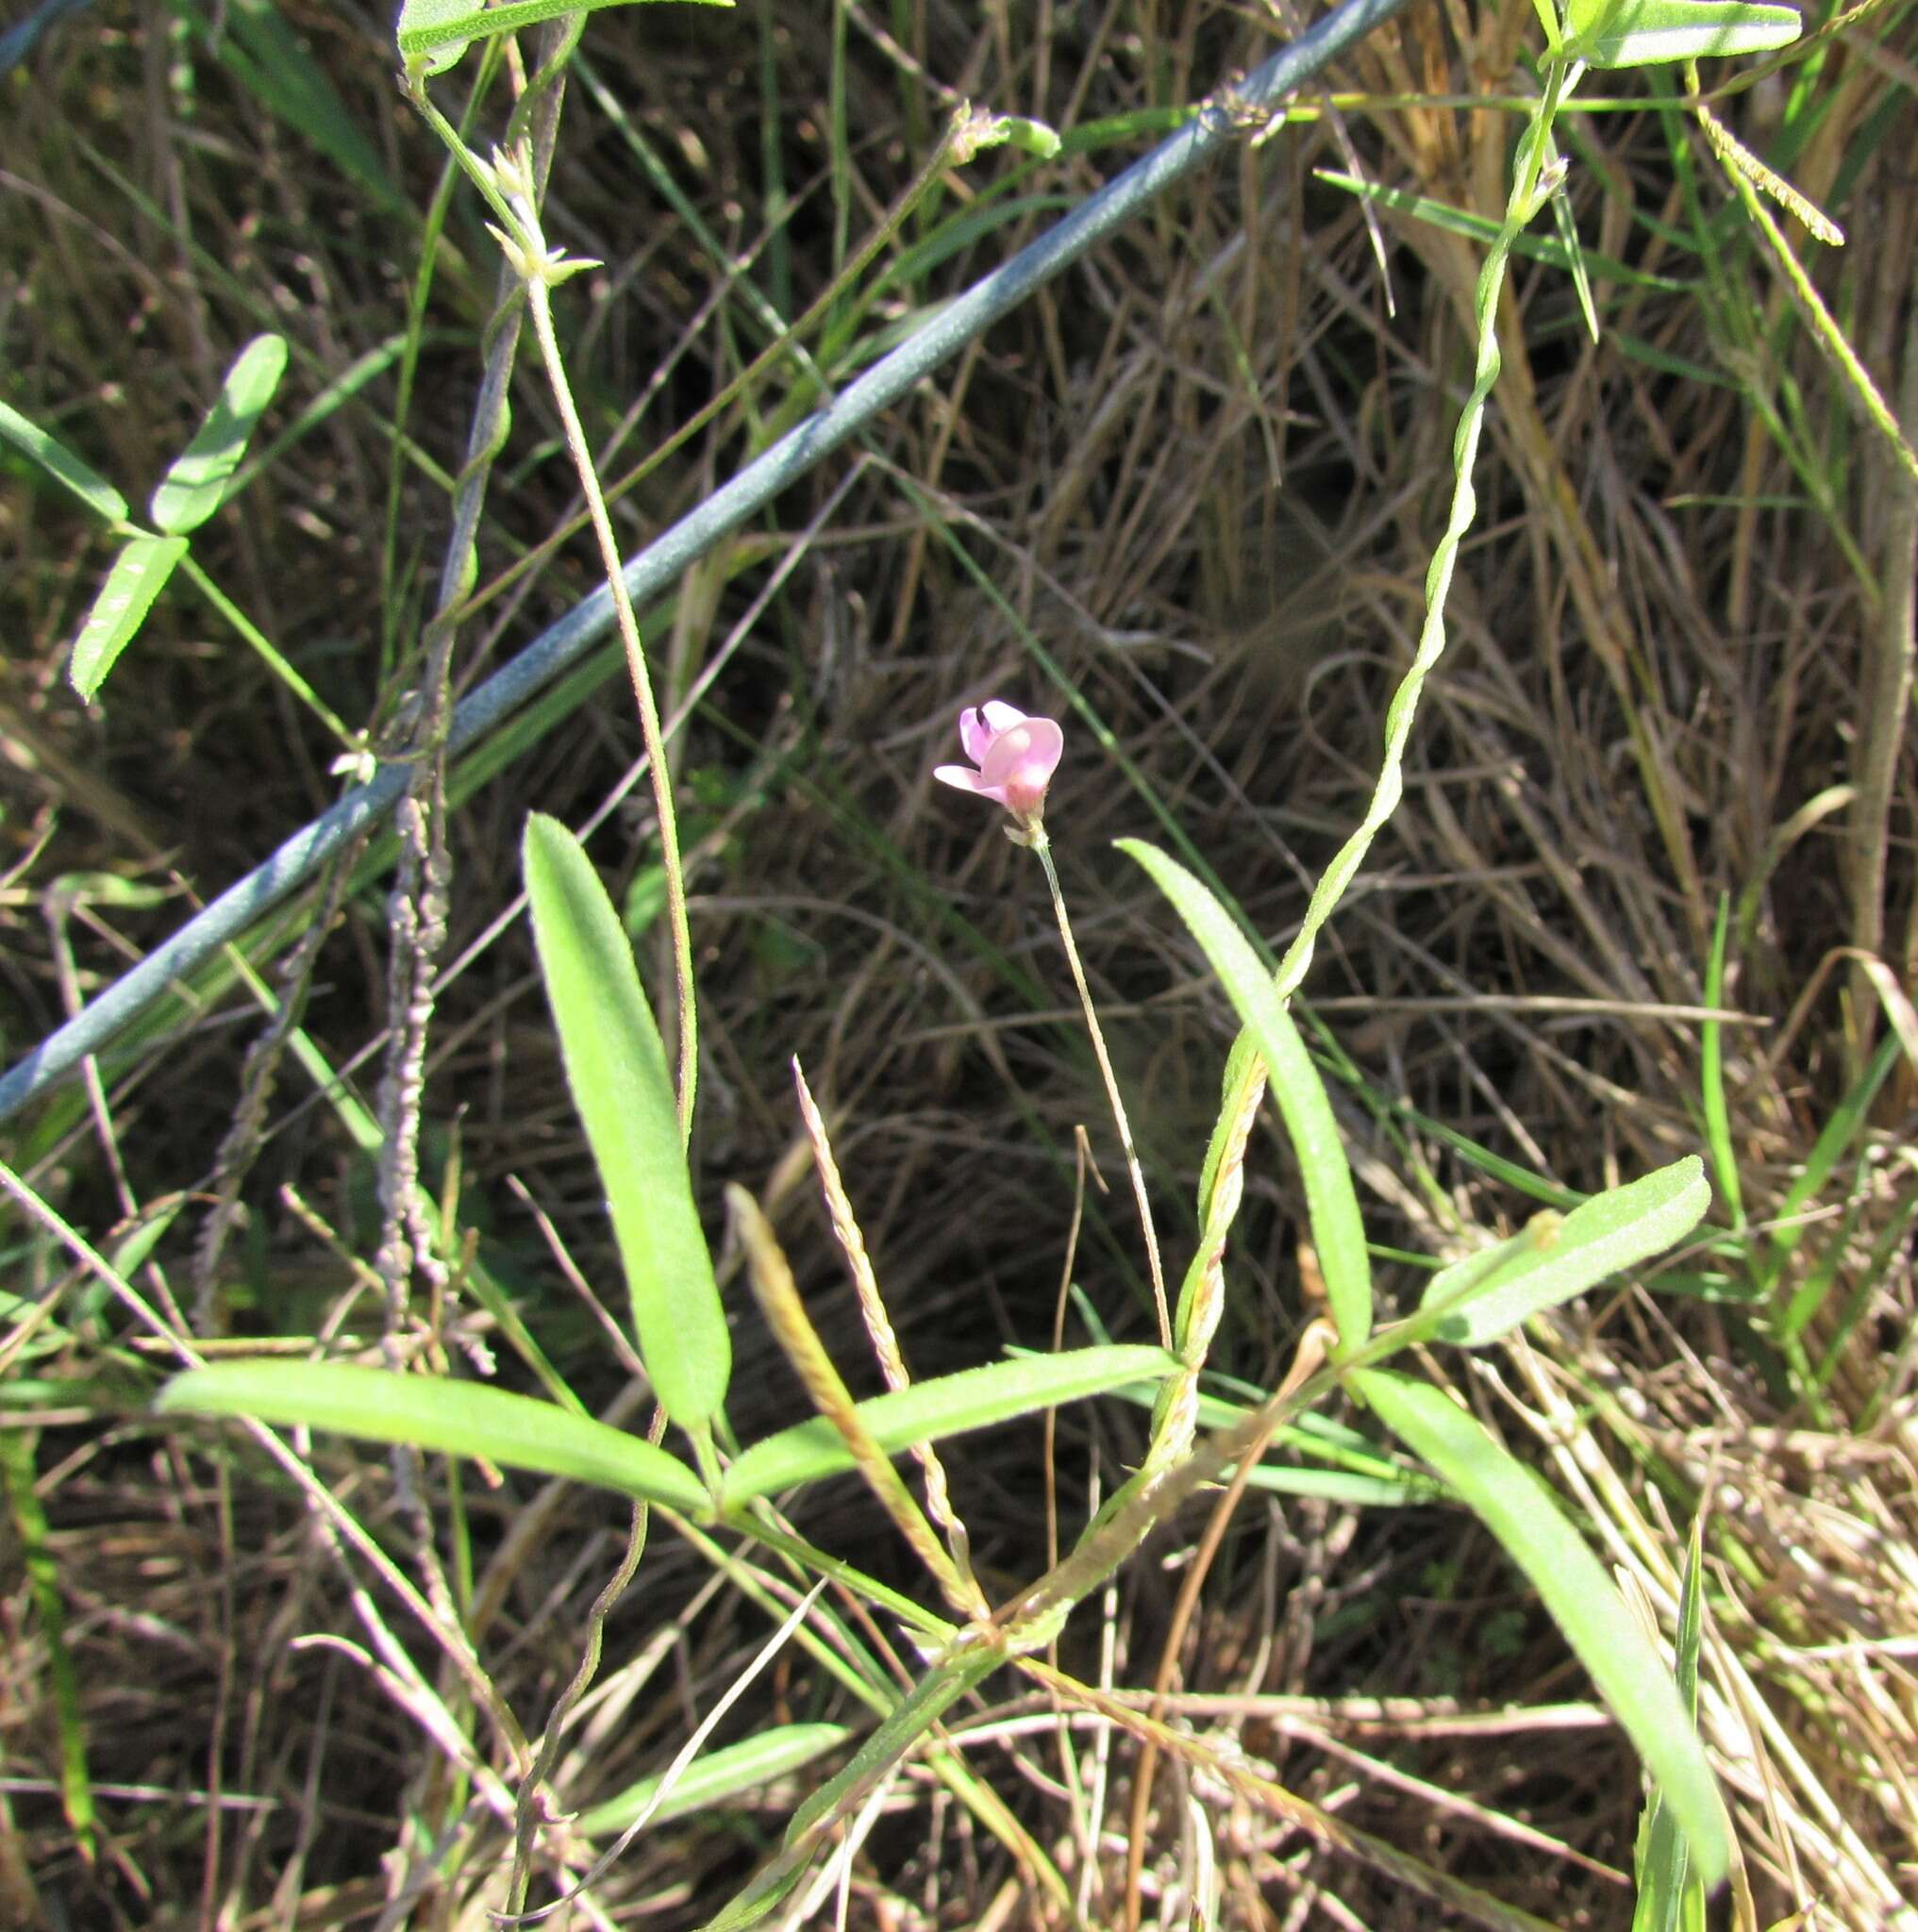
[(1013, 759), (1043, 846)]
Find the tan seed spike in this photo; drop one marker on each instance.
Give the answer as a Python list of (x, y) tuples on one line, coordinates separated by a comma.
[(851, 1243), (779, 1297)]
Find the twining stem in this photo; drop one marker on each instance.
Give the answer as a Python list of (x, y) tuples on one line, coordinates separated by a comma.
[(506, 188), (1246, 1071), (540, 302), (1043, 846)]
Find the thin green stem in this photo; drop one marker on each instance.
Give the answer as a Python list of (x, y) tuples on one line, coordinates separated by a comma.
[(277, 662), (1043, 846), (540, 302)]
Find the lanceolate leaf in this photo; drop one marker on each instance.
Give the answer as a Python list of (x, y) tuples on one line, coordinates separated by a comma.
[(1486, 1296), (436, 1412), (59, 462), (947, 1405), (616, 1067), (192, 488), (433, 34), (1573, 1584), (137, 577), (1637, 33), (1338, 1234)]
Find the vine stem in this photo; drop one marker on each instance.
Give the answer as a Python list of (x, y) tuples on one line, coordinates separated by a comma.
[(1036, 838), (1245, 1073), (540, 302)]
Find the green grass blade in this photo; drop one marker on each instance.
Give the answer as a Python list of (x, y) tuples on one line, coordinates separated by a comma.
[(435, 1412), (1553, 1259), (946, 1406), (1669, 1897), (1846, 1123), (196, 482), (921, 1708), (1581, 1598), (62, 465), (18, 1482), (616, 1067), (1712, 1073), (1459, 221), (1338, 1233), (137, 577), (1886, 1250), (712, 1780), (255, 43)]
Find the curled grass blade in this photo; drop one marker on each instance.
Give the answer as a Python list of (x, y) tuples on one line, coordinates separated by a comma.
[(435, 1412), (1580, 1597)]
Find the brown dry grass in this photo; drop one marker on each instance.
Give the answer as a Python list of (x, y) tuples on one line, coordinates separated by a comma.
[(1203, 473)]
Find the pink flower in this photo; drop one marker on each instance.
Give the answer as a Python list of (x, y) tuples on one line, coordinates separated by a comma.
[(1016, 757)]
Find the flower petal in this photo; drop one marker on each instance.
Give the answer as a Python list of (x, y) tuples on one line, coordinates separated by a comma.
[(1021, 763), (963, 776), (1000, 716), (976, 734)]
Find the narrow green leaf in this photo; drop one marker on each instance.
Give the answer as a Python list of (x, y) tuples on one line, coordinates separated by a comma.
[(1338, 1234), (616, 1068), (1554, 1259), (1638, 33), (258, 45), (1711, 1071), (62, 465), (761, 1894), (1666, 1889), (1360, 1473), (947, 1405), (435, 1412), (192, 488), (1581, 279), (137, 577), (433, 34), (1478, 227), (1581, 1599), (718, 1776), (1834, 1138), (922, 1708), (18, 1485)]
